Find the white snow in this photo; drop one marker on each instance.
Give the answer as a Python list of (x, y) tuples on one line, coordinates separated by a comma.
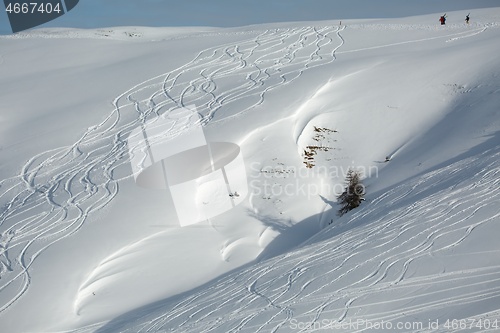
[(85, 249)]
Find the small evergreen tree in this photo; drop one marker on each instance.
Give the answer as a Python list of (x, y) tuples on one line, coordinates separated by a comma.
[(353, 193)]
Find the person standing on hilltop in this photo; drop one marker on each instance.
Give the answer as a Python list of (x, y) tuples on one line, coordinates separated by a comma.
[(442, 19)]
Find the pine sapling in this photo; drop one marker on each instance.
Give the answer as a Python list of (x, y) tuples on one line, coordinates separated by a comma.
[(353, 194)]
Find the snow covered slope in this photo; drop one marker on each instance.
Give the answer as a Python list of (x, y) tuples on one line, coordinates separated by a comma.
[(84, 249)]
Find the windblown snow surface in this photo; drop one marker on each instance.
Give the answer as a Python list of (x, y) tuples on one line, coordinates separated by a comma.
[(84, 249)]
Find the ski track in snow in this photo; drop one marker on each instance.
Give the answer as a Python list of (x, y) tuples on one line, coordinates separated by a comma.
[(58, 190), (336, 278), (451, 37)]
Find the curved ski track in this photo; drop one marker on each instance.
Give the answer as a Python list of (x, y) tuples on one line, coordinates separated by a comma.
[(368, 262), (56, 191)]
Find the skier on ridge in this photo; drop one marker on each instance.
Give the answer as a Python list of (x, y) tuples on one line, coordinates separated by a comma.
[(442, 19), (467, 18)]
